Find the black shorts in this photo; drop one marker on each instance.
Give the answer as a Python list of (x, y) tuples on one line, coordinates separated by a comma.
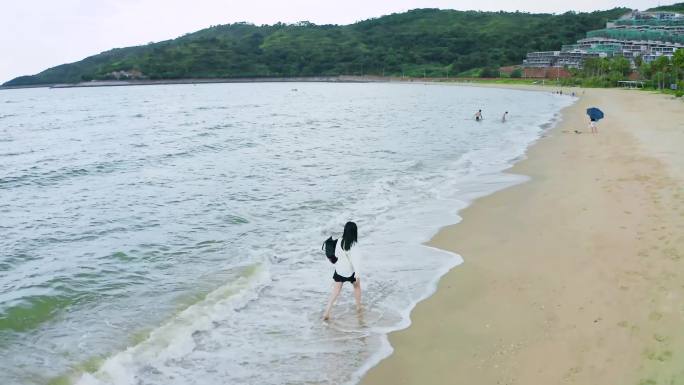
[(339, 278)]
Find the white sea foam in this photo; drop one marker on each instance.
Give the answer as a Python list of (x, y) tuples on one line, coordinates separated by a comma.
[(177, 338)]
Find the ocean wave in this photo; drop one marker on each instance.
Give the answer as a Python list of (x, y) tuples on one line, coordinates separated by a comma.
[(158, 353), (31, 311), (52, 177), (221, 126), (8, 154), (209, 108)]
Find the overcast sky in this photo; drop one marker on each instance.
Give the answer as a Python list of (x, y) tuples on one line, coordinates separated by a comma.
[(38, 34)]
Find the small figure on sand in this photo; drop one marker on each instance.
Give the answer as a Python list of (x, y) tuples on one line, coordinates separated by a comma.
[(592, 126), (503, 118), (478, 115), (346, 267), (594, 116)]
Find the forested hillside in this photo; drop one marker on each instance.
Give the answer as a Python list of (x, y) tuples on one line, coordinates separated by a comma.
[(678, 7), (421, 42)]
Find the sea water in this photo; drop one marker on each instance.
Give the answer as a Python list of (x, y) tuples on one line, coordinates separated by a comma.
[(172, 234)]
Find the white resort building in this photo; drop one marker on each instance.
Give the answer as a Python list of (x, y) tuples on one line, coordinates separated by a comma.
[(647, 35)]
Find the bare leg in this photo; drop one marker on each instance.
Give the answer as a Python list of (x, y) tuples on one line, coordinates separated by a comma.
[(337, 287), (357, 294)]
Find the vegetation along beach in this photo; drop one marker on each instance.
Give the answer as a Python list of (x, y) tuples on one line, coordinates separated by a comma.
[(384, 194)]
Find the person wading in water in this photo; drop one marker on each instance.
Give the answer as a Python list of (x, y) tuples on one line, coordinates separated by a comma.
[(478, 115), (346, 267)]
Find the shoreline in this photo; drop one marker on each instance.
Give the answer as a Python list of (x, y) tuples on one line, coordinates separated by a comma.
[(302, 79), (504, 180), (506, 316), (428, 225), (131, 83)]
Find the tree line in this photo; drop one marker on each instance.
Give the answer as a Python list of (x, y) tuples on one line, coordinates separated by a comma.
[(662, 73), (421, 42)]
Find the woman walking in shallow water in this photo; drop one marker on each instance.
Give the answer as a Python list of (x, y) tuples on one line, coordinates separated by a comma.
[(346, 267)]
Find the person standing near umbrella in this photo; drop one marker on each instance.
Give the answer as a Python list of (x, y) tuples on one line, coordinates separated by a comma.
[(592, 125), (594, 116)]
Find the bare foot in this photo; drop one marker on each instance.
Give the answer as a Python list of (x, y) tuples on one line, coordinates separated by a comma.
[(326, 317)]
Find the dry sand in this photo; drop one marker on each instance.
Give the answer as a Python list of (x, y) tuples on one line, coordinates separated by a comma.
[(575, 277)]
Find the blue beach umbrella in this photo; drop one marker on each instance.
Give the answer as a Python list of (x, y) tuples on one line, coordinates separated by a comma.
[(594, 113)]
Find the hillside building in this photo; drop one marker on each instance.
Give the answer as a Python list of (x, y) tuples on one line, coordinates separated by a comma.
[(647, 35)]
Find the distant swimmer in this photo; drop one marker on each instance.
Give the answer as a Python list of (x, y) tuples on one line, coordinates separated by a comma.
[(478, 115), (503, 118)]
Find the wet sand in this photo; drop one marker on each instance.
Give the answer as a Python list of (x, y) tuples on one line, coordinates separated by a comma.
[(574, 277)]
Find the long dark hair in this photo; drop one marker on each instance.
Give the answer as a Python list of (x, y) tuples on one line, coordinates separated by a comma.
[(350, 235)]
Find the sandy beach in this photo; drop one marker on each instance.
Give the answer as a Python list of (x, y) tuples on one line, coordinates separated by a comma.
[(573, 277)]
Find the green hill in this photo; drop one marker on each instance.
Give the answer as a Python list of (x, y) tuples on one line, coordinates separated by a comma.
[(421, 41), (678, 7)]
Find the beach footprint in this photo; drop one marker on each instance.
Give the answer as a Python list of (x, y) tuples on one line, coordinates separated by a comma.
[(655, 316)]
